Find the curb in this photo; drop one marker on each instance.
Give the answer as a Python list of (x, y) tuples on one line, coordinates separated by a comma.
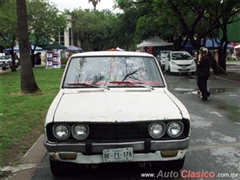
[(29, 162)]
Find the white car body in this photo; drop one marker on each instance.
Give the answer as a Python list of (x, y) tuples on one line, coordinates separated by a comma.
[(180, 65), (4, 64), (114, 106)]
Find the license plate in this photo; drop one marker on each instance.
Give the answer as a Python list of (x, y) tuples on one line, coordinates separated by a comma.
[(116, 155)]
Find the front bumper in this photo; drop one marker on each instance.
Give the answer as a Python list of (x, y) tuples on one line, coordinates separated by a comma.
[(182, 69), (88, 153)]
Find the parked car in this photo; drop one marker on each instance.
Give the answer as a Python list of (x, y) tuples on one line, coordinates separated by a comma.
[(180, 62), (17, 62), (112, 107), (4, 63), (162, 58)]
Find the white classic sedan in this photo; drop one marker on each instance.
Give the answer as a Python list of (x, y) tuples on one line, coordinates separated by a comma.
[(114, 106)]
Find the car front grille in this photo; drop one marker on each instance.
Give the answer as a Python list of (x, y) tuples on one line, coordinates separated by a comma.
[(112, 132), (118, 131), (184, 65)]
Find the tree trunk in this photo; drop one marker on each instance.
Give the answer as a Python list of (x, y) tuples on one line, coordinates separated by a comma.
[(222, 48), (13, 64), (12, 55), (33, 58), (28, 83)]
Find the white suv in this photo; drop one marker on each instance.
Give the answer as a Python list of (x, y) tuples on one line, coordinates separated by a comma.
[(180, 62), (114, 106)]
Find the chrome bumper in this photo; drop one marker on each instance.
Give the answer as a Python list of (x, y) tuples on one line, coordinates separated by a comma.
[(96, 148)]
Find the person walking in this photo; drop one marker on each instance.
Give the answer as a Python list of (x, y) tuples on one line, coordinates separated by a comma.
[(203, 73)]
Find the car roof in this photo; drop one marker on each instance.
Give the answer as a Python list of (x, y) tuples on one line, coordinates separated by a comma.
[(112, 53)]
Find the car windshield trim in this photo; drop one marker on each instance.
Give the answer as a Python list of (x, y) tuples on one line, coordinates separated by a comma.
[(99, 71)]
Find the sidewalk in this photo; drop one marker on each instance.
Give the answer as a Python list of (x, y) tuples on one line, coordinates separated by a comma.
[(29, 162)]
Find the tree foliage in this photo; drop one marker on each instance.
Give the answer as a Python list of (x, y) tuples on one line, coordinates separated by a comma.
[(8, 28), (93, 28), (44, 23), (186, 19), (8, 20)]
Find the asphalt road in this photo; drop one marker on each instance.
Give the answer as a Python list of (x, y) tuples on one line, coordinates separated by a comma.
[(214, 147)]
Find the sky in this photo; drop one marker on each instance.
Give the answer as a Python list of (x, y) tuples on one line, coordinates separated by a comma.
[(83, 4)]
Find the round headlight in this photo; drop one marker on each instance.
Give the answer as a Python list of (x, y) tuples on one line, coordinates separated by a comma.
[(61, 131), (175, 129), (80, 131), (156, 130)]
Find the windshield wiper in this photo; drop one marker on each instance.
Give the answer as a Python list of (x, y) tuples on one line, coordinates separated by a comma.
[(131, 83), (122, 82), (86, 84)]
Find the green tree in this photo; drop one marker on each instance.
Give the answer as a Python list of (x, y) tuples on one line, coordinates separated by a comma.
[(224, 14), (209, 17), (125, 29), (194, 19), (150, 23), (8, 28), (28, 83), (44, 22), (92, 28)]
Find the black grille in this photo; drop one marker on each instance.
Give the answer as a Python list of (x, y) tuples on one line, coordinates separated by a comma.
[(118, 131), (184, 65), (112, 132)]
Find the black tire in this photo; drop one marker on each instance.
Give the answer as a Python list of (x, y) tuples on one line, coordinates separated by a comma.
[(59, 168)]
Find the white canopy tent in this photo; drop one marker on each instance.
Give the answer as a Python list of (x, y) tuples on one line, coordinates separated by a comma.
[(237, 47), (155, 41)]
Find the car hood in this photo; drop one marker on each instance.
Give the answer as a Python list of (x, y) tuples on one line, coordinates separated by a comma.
[(116, 106)]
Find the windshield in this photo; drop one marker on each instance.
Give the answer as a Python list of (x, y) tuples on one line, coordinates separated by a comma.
[(181, 56), (112, 71), (164, 55)]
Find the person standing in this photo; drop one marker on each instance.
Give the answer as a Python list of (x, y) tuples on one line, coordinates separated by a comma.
[(203, 72)]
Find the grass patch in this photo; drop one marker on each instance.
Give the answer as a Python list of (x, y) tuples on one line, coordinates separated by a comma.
[(232, 60), (22, 115)]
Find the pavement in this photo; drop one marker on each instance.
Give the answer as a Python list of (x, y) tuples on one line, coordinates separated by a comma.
[(29, 162), (233, 67), (35, 154)]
